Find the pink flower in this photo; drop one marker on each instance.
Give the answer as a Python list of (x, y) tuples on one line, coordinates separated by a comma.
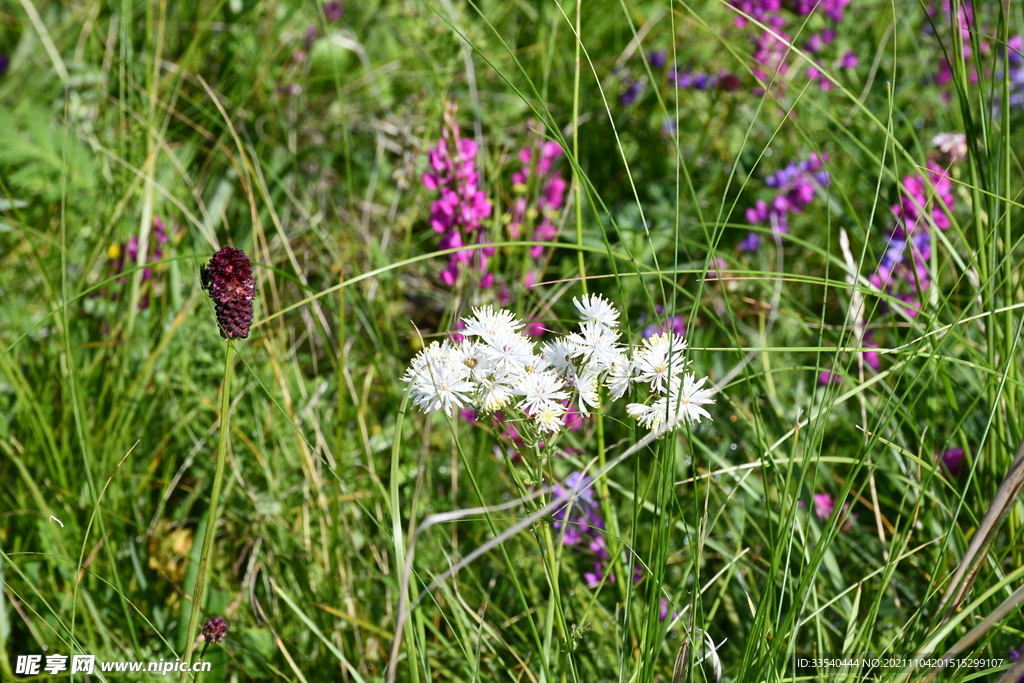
[(872, 358), (534, 329), (825, 505), (829, 378), (572, 420), (462, 206)]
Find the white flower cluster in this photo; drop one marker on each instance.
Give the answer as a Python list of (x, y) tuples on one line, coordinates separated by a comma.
[(496, 367)]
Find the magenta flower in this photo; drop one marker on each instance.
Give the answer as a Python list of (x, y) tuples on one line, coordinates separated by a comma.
[(954, 461), (760, 10), (903, 271), (848, 61), (572, 419), (829, 378), (872, 358), (825, 505), (458, 214), (919, 199), (125, 255)]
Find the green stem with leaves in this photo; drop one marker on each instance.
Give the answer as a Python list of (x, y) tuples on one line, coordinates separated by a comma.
[(211, 523)]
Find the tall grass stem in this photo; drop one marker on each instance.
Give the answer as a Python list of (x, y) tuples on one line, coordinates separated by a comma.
[(211, 525)]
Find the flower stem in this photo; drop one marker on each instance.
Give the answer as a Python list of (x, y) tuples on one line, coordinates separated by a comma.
[(211, 518)]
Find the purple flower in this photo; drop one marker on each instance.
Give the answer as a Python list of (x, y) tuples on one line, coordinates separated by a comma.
[(757, 9), (228, 279), (125, 255), (752, 242), (593, 579), (585, 517), (848, 60), (796, 186), (673, 323), (333, 10), (656, 58), (215, 629), (633, 90), (4, 63), (953, 459)]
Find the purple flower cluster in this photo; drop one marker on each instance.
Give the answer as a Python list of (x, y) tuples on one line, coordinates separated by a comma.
[(700, 80), (580, 524), (458, 213), (333, 10), (760, 10), (673, 323), (903, 269), (772, 47), (964, 18), (795, 187), (833, 9), (126, 254), (1015, 71), (632, 88), (677, 77), (537, 178)]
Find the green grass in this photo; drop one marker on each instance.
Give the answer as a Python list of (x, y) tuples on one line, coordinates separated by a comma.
[(113, 114)]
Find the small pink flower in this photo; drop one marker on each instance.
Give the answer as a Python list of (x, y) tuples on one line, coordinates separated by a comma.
[(827, 378), (534, 329), (825, 505), (872, 358)]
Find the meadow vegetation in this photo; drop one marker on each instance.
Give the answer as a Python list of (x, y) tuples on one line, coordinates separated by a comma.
[(806, 212)]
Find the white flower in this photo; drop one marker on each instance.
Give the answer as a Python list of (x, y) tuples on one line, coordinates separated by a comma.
[(587, 385), (681, 405), (549, 417), (509, 349), (489, 324), (597, 344), (619, 377), (597, 308), (685, 399), (471, 354), (496, 391), (952, 145), (442, 386), (559, 355), (433, 356), (647, 416), (539, 388), (660, 357)]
